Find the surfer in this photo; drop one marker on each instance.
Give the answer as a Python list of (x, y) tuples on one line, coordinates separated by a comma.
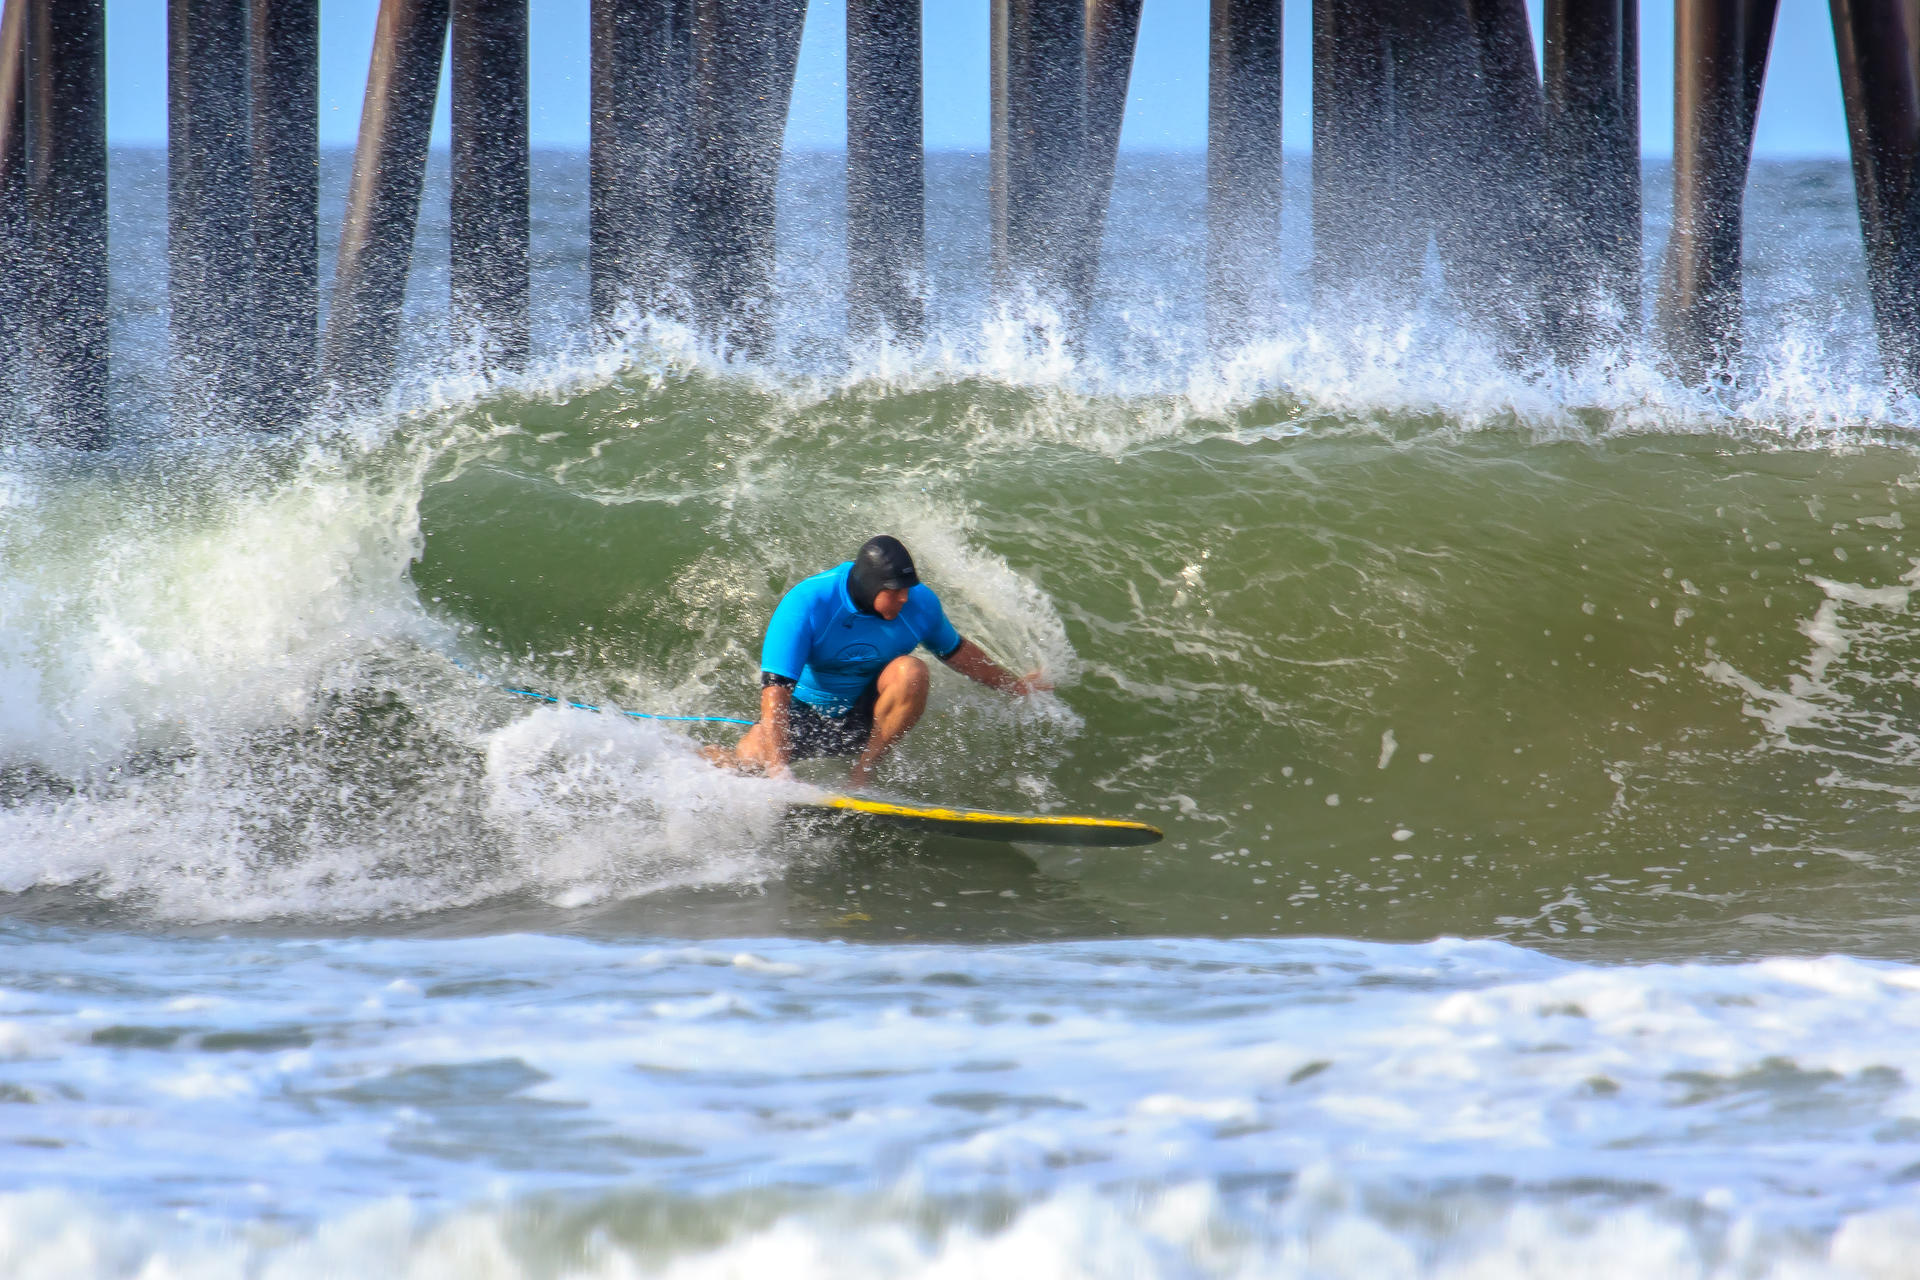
[(837, 671)]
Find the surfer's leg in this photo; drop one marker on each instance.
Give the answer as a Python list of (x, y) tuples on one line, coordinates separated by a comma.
[(902, 698)]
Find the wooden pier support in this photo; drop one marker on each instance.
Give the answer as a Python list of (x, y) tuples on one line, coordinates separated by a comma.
[(1038, 195), (1720, 52), (285, 90), (383, 202), (1113, 29), (745, 53), (1878, 42), (491, 280), (210, 256), (14, 259), (1369, 225), (642, 93), (1592, 76), (66, 59), (886, 170), (1243, 165)]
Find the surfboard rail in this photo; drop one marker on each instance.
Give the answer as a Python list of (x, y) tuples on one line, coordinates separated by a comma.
[(988, 824)]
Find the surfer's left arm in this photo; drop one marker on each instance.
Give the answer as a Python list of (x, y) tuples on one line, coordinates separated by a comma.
[(971, 661)]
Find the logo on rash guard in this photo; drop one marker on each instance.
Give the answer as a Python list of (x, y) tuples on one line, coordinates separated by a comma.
[(855, 654)]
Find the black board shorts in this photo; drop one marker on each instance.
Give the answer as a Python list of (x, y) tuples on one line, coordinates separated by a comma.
[(812, 733)]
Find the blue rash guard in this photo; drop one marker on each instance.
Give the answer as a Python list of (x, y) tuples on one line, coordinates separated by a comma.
[(834, 652)]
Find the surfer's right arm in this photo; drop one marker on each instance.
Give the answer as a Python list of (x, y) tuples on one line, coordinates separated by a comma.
[(776, 700)]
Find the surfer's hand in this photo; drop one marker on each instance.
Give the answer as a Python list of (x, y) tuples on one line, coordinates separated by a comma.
[(1031, 683)]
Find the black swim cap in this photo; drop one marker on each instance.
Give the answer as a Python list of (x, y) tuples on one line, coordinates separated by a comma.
[(881, 564)]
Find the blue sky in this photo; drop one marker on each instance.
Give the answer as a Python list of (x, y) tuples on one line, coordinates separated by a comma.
[(1800, 112)]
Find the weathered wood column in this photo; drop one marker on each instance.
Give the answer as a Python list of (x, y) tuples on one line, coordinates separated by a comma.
[(1037, 199), (67, 213), (15, 260), (745, 56), (383, 202), (285, 93), (1720, 51), (886, 169), (1878, 42), (1495, 237), (1592, 76), (639, 157), (491, 223), (210, 257), (1113, 29), (1369, 226), (1243, 165)]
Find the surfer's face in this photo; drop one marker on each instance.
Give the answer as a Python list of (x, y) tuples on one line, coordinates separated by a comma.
[(888, 604)]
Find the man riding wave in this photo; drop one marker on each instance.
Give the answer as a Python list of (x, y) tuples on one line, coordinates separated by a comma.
[(837, 675)]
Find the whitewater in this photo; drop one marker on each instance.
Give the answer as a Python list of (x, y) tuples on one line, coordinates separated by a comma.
[(1536, 749)]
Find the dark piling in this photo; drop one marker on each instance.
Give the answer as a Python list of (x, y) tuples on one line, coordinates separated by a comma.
[(1243, 166), (285, 93), (491, 281), (886, 169), (642, 92), (745, 53), (210, 257), (1720, 49), (1592, 76), (1878, 42), (14, 258), (66, 94), (1038, 194), (383, 202)]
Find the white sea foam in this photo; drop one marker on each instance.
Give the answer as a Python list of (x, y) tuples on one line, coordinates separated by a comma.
[(1173, 1108)]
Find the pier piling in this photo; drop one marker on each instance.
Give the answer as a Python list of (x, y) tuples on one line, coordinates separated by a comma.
[(1592, 76), (1878, 43), (1720, 51), (886, 169), (642, 86), (1113, 29), (1369, 229), (285, 92), (66, 94), (1037, 195), (14, 258), (383, 202), (209, 213), (1243, 164), (491, 222), (745, 55)]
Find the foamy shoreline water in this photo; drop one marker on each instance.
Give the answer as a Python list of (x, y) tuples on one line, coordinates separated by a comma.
[(1166, 1107)]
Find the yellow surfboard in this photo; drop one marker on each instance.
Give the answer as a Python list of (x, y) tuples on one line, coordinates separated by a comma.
[(985, 824)]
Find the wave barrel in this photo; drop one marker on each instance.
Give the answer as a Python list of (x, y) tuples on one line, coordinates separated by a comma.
[(491, 222)]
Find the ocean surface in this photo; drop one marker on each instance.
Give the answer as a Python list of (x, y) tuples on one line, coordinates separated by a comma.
[(1538, 750)]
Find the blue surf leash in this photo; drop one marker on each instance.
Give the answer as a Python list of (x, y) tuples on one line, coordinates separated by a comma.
[(583, 706)]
